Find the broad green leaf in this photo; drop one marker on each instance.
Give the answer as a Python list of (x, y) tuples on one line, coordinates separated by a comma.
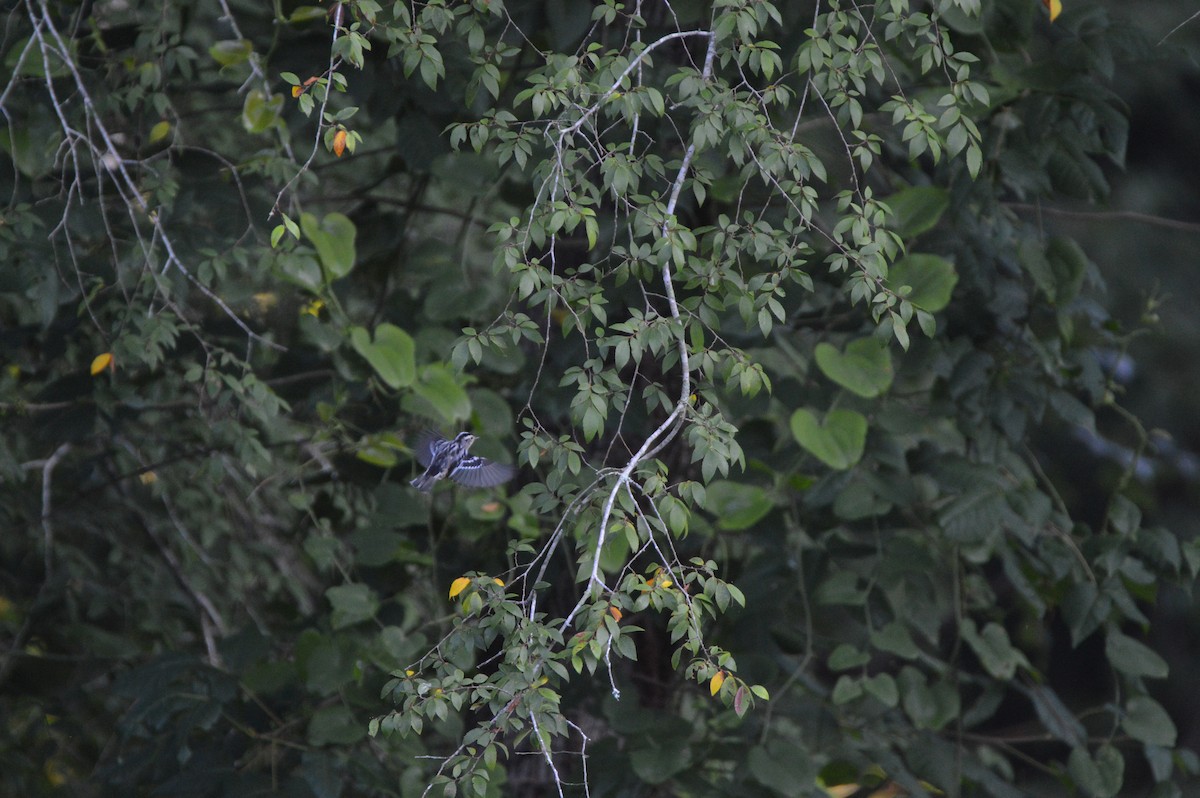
[(439, 387), (895, 639), (351, 604), (1100, 777), (260, 113), (325, 664), (391, 354), (929, 706), (778, 766), (655, 762), (333, 236), (994, 649), (304, 14), (847, 688), (845, 657), (737, 505), (1133, 658), (231, 51), (376, 547), (335, 725), (883, 687), (932, 279), (837, 441), (864, 369), (916, 210), (1146, 720)]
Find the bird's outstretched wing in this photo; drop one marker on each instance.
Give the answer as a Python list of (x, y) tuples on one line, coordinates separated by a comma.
[(423, 451), (479, 472)]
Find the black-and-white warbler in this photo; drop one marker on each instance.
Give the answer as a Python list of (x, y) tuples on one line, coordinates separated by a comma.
[(450, 458)]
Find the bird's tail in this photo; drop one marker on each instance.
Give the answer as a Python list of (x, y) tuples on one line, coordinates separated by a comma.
[(423, 483)]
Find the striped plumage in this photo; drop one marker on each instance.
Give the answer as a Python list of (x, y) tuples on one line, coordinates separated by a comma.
[(444, 458)]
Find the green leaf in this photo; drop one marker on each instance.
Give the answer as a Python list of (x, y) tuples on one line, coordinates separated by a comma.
[(351, 604), (864, 369), (304, 14), (655, 762), (1101, 777), (845, 657), (916, 210), (883, 687), (736, 505), (231, 51), (1133, 658), (260, 113), (335, 725), (324, 663), (930, 706), (894, 638), (778, 767), (1069, 265), (392, 354), (333, 236), (838, 441), (1032, 257), (994, 649), (439, 387), (932, 279), (1146, 720)]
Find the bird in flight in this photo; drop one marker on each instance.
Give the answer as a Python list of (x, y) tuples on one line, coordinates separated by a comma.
[(443, 458)]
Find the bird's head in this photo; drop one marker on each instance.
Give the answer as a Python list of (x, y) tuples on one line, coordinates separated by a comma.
[(465, 439)]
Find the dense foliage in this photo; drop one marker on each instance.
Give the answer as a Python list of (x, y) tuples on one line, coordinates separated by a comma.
[(744, 289)]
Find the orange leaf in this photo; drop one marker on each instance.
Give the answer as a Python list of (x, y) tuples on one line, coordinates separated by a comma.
[(458, 586), (1055, 7), (614, 612), (714, 684), (339, 143), (103, 361)]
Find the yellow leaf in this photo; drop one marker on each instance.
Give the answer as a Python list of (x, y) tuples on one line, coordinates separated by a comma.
[(102, 362), (1055, 7), (265, 301), (313, 308), (339, 143), (160, 131), (297, 91), (498, 581), (148, 477), (841, 790), (54, 772), (410, 672), (666, 583), (458, 586), (714, 684)]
